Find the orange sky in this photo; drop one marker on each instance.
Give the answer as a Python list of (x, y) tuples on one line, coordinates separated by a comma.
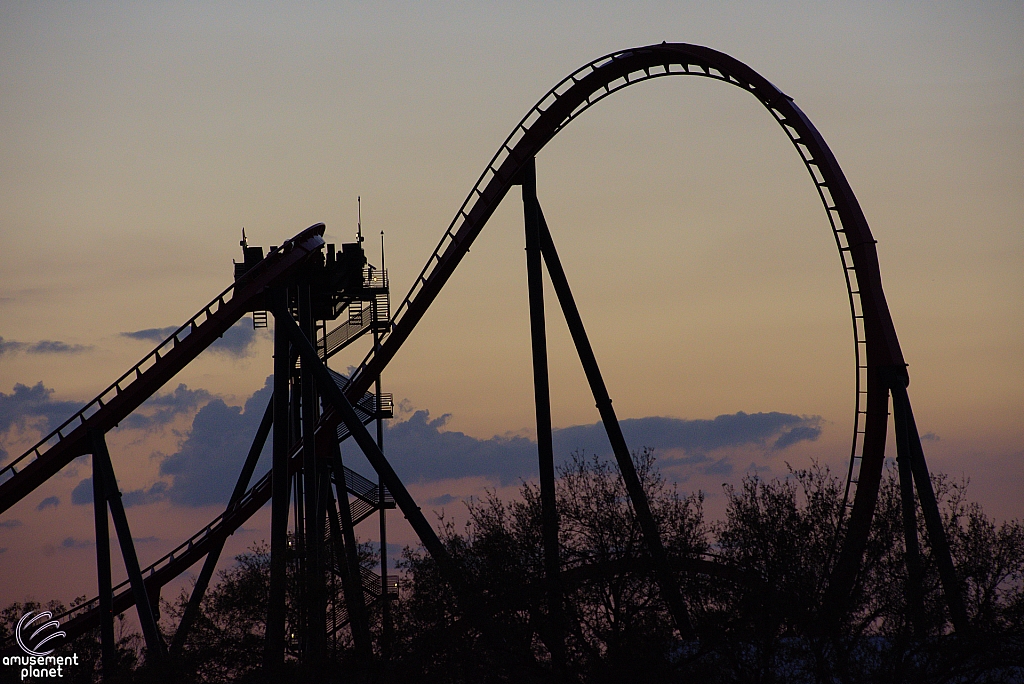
[(137, 140)]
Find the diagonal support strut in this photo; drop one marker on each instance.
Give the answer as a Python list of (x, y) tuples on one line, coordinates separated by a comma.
[(154, 643), (904, 414), (210, 565), (542, 403), (642, 507)]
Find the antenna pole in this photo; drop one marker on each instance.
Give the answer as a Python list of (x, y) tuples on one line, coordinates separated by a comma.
[(359, 219)]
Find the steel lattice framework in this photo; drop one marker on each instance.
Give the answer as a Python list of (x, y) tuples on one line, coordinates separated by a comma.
[(307, 458)]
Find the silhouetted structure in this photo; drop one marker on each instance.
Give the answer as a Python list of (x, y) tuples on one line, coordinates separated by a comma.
[(315, 408)]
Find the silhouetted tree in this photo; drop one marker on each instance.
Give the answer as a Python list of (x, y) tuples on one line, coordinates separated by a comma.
[(758, 622)]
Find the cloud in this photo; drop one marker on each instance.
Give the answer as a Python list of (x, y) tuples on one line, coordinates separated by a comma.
[(36, 402), (72, 543), (10, 524), (721, 466), (142, 497), (421, 450), (56, 347), (151, 334), (801, 433), (82, 494), (10, 346), (930, 436), (48, 502), (695, 437), (41, 347), (204, 469), (25, 402), (236, 341), (163, 408), (442, 500)]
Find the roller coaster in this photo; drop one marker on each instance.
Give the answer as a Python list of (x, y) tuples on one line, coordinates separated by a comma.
[(306, 284)]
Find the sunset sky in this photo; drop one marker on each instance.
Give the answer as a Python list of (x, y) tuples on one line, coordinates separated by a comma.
[(137, 141)]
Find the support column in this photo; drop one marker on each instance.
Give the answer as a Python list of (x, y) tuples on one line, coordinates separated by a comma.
[(101, 458), (930, 509), (542, 403), (280, 487), (341, 560), (642, 507), (385, 599), (103, 579), (402, 497), (314, 604), (915, 570), (353, 577)]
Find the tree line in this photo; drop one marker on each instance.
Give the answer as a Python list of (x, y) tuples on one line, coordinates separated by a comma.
[(755, 603)]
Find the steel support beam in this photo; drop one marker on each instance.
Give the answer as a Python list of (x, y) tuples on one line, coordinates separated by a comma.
[(912, 551), (314, 596), (349, 587), (103, 579), (542, 404), (652, 536), (352, 580), (384, 470), (903, 413), (210, 565), (385, 599), (101, 458), (280, 486)]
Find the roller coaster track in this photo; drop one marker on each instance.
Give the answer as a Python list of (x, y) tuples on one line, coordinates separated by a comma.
[(141, 381), (878, 358)]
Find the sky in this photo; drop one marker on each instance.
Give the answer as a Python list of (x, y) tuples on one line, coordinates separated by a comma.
[(139, 139)]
